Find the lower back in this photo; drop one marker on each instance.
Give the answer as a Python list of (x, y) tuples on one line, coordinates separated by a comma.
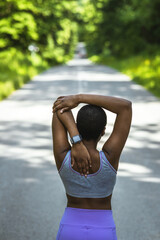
[(89, 203)]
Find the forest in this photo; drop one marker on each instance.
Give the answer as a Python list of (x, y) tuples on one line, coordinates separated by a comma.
[(37, 34)]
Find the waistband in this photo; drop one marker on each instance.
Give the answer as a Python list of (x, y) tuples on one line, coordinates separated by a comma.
[(90, 217)]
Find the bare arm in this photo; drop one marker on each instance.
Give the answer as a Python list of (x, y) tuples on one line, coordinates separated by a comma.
[(79, 154), (112, 104), (121, 107), (60, 141)]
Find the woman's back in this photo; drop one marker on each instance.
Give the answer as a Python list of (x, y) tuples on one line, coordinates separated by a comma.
[(94, 191), (95, 158)]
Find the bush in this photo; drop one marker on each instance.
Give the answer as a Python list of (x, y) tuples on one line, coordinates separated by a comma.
[(17, 69), (143, 69)]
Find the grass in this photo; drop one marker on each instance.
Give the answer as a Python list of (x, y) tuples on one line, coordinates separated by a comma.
[(17, 69), (143, 69)]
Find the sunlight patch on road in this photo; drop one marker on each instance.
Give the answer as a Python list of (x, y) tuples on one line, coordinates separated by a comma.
[(27, 180), (79, 62), (89, 76), (149, 179), (137, 172), (134, 168)]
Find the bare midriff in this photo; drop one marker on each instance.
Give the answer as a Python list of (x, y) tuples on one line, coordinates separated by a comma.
[(89, 203)]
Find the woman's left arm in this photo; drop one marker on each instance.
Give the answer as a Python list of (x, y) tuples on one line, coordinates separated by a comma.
[(62, 123)]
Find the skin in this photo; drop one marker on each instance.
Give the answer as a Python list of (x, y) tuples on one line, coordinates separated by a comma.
[(84, 155)]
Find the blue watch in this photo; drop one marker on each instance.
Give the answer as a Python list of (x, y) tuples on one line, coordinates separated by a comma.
[(76, 139)]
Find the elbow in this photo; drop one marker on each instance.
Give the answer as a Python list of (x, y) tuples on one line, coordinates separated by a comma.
[(128, 105), (58, 114), (128, 109)]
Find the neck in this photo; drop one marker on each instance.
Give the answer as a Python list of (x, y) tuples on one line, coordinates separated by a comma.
[(90, 144)]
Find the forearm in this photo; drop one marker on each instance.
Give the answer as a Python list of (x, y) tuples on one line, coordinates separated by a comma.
[(113, 104), (79, 153), (68, 121)]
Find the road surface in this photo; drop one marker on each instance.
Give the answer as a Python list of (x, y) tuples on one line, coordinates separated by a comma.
[(32, 198)]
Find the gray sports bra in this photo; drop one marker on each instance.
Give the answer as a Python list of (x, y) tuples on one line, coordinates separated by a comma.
[(97, 185)]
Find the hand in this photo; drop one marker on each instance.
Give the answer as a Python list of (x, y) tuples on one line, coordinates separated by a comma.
[(65, 103), (80, 155)]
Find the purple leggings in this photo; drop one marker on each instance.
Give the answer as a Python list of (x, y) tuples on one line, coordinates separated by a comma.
[(86, 224)]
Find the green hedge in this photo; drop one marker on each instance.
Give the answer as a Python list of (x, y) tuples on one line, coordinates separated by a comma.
[(17, 69), (143, 69)]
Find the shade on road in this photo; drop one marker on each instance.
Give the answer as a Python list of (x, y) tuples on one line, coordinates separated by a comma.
[(32, 196)]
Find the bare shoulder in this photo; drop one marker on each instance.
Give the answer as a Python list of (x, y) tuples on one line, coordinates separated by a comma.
[(114, 162), (59, 159)]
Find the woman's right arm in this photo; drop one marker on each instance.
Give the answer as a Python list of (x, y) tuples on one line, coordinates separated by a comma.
[(121, 107)]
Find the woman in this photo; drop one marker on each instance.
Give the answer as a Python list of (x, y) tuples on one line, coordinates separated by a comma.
[(88, 175)]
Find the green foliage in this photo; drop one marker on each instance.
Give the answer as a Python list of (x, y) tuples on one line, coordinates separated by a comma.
[(120, 28), (17, 69), (143, 69), (125, 35), (49, 25), (111, 29), (17, 24)]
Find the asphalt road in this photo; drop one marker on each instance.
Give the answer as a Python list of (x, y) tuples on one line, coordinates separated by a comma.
[(32, 197)]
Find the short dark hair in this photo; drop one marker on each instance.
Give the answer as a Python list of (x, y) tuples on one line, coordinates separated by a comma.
[(91, 121)]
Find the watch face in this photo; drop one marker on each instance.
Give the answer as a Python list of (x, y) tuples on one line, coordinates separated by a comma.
[(76, 139)]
